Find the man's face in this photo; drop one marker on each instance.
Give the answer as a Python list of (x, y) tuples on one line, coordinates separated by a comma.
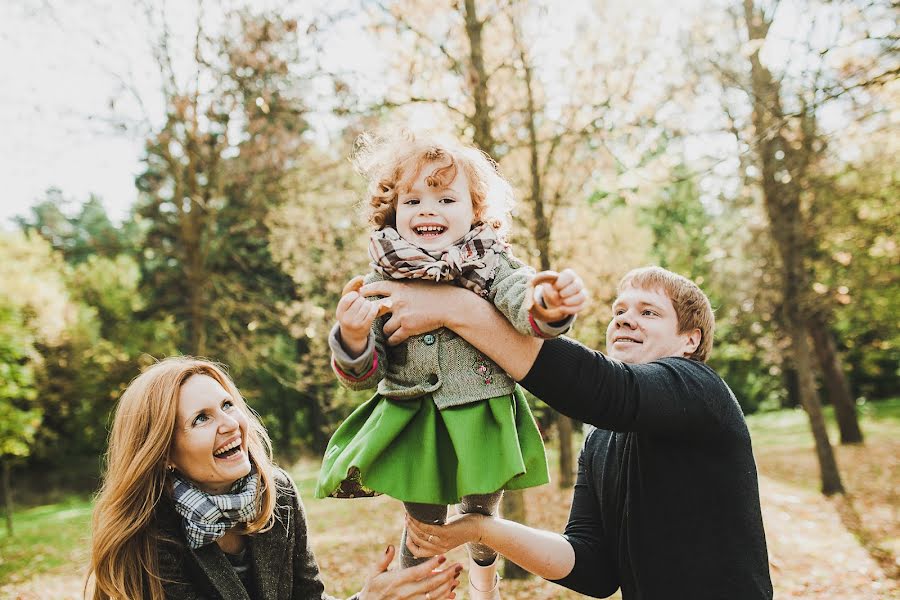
[(644, 328)]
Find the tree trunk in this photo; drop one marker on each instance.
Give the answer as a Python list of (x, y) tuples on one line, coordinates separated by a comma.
[(513, 504), (781, 196), (564, 427), (789, 379), (7, 498), (836, 383), (828, 470), (564, 424), (514, 510), (478, 78)]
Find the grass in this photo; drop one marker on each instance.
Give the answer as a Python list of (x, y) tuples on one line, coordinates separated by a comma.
[(46, 538), (790, 428), (51, 542)]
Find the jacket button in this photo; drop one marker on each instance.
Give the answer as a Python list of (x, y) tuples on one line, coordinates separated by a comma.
[(428, 339), (432, 379)]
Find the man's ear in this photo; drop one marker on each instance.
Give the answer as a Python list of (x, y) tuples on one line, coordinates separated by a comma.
[(692, 341)]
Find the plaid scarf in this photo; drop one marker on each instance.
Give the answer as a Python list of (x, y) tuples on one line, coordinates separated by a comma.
[(472, 261), (206, 517)]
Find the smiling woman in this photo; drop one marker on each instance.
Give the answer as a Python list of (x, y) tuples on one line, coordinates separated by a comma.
[(192, 505)]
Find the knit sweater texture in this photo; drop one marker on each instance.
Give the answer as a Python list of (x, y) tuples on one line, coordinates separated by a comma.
[(440, 362), (666, 502)]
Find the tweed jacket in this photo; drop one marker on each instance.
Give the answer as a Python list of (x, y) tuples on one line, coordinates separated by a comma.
[(282, 560), (440, 362)]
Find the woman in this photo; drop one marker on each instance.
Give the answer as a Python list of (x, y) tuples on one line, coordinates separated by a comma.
[(193, 507)]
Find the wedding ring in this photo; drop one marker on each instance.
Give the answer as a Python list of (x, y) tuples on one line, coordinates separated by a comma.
[(429, 537)]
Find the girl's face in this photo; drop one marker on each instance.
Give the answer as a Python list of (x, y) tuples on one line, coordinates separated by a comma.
[(210, 446), (433, 218)]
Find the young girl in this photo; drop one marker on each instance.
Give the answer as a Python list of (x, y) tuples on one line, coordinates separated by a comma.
[(446, 425)]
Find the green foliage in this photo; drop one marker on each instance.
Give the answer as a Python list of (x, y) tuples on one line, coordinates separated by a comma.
[(34, 312), (216, 175), (19, 420), (89, 232), (856, 269)]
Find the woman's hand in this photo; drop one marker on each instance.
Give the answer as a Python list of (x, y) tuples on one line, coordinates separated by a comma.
[(425, 539), (422, 582)]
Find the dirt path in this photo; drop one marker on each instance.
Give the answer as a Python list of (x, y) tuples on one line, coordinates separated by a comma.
[(812, 555)]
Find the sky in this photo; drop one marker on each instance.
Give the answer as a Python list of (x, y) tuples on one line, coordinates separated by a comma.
[(70, 66), (70, 70), (54, 109)]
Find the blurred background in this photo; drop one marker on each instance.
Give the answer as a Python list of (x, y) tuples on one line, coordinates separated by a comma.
[(176, 181)]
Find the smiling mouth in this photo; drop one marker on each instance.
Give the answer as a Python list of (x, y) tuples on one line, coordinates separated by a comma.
[(228, 450), (429, 230), (627, 339)]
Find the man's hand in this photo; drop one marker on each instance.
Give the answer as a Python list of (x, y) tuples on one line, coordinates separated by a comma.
[(425, 539), (421, 306), (417, 307)]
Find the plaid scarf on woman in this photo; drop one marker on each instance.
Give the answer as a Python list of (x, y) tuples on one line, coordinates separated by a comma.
[(472, 261), (206, 517)]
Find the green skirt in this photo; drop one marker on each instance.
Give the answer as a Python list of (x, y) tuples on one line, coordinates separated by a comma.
[(412, 451)]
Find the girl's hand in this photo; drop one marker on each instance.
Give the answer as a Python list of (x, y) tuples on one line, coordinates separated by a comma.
[(565, 296), (425, 539), (355, 315), (422, 582)]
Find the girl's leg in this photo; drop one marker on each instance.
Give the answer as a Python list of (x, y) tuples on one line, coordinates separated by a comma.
[(485, 504), (427, 513), (483, 580)]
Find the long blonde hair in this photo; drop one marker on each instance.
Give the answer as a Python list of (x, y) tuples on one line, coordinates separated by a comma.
[(124, 558)]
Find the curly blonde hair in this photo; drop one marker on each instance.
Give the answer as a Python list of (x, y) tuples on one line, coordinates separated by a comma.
[(392, 164)]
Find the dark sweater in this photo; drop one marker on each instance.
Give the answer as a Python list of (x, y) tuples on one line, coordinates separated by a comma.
[(666, 502)]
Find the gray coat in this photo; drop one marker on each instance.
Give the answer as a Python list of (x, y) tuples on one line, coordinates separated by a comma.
[(440, 362), (282, 560)]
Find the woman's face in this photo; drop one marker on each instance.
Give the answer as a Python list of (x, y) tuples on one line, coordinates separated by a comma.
[(210, 445)]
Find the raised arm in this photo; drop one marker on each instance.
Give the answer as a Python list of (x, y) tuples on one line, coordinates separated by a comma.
[(419, 307)]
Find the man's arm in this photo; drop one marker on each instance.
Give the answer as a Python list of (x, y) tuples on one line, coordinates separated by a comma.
[(544, 553), (420, 307)]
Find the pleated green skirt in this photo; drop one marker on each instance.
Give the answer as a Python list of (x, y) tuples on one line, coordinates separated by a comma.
[(412, 451)]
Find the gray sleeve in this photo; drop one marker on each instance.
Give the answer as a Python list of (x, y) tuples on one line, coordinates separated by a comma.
[(351, 366), (508, 292), (366, 370)]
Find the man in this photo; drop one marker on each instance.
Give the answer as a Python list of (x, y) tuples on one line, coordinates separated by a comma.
[(666, 504)]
